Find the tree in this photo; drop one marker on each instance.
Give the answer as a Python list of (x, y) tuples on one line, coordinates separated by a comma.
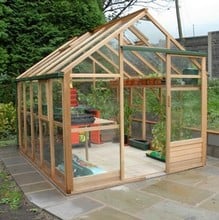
[(115, 8), (30, 30)]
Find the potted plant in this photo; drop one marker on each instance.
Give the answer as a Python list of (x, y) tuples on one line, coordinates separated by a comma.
[(158, 143)]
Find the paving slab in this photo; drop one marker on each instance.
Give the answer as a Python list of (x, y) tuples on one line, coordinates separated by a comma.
[(190, 177), (106, 213), (71, 208), (11, 161), (169, 210), (46, 198), (27, 178), (178, 192), (126, 200), (210, 183), (37, 187), (212, 204), (20, 168)]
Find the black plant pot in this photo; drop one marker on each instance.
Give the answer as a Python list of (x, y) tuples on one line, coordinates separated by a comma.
[(139, 143)]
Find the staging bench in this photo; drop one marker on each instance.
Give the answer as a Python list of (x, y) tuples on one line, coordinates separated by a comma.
[(97, 125)]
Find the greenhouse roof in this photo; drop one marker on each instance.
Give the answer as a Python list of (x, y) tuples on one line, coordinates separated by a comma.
[(142, 38)]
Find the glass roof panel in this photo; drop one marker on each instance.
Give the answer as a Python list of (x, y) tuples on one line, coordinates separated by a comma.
[(149, 31)]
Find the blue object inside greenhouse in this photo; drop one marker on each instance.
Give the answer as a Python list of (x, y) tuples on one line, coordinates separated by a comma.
[(81, 167)]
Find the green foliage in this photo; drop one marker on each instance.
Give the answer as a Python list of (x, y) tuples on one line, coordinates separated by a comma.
[(100, 97), (9, 193), (213, 104), (7, 120), (30, 30)]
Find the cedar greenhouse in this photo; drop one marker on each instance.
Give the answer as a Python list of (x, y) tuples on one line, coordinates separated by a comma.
[(127, 78)]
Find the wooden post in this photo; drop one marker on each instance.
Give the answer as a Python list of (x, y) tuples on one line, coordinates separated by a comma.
[(67, 133), (144, 109), (204, 109), (168, 110), (32, 122), (40, 122), (121, 97), (19, 95), (49, 96)]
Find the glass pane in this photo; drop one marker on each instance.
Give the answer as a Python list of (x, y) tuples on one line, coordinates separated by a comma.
[(57, 100), (59, 153), (44, 99), (46, 143), (35, 97), (29, 145), (186, 115), (96, 148), (36, 140), (27, 93), (153, 36)]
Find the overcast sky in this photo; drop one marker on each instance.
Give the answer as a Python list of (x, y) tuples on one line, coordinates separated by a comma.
[(198, 17)]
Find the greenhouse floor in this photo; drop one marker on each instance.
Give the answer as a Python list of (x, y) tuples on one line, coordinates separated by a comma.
[(106, 156), (192, 194)]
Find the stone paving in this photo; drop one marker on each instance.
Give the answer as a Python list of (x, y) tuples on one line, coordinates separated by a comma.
[(189, 195)]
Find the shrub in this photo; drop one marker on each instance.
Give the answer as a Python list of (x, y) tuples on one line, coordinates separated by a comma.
[(8, 121)]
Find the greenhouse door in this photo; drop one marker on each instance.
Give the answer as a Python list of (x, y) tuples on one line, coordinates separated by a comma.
[(186, 112)]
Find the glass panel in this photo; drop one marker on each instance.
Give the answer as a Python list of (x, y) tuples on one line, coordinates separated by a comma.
[(27, 93), (35, 97), (57, 99), (36, 140), (46, 143), (155, 63), (59, 153), (96, 146), (151, 33), (44, 99), (105, 60), (186, 115), (29, 145), (22, 134)]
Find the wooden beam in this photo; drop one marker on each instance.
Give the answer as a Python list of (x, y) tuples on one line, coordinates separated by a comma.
[(67, 134), (204, 101), (121, 106)]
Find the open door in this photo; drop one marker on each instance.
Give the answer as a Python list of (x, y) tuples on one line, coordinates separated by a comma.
[(186, 112)]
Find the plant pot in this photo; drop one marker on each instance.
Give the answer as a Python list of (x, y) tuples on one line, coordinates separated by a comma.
[(139, 143), (156, 155)]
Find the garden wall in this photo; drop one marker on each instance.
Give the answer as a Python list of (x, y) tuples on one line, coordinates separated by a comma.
[(208, 44)]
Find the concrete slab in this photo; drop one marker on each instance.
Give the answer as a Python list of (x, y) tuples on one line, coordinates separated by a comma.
[(178, 192), (212, 204), (37, 187), (20, 168), (188, 177), (106, 213), (210, 183), (71, 208), (27, 178), (46, 198), (126, 200), (14, 160), (176, 211)]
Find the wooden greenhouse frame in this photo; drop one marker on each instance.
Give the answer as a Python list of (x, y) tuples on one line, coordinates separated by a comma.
[(122, 55)]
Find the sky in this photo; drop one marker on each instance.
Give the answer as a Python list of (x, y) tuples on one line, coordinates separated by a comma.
[(198, 17)]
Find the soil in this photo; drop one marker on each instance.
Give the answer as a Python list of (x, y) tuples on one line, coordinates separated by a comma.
[(26, 210)]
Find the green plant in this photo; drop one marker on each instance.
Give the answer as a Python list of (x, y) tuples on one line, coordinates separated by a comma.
[(159, 129), (100, 97), (9, 193), (7, 120)]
